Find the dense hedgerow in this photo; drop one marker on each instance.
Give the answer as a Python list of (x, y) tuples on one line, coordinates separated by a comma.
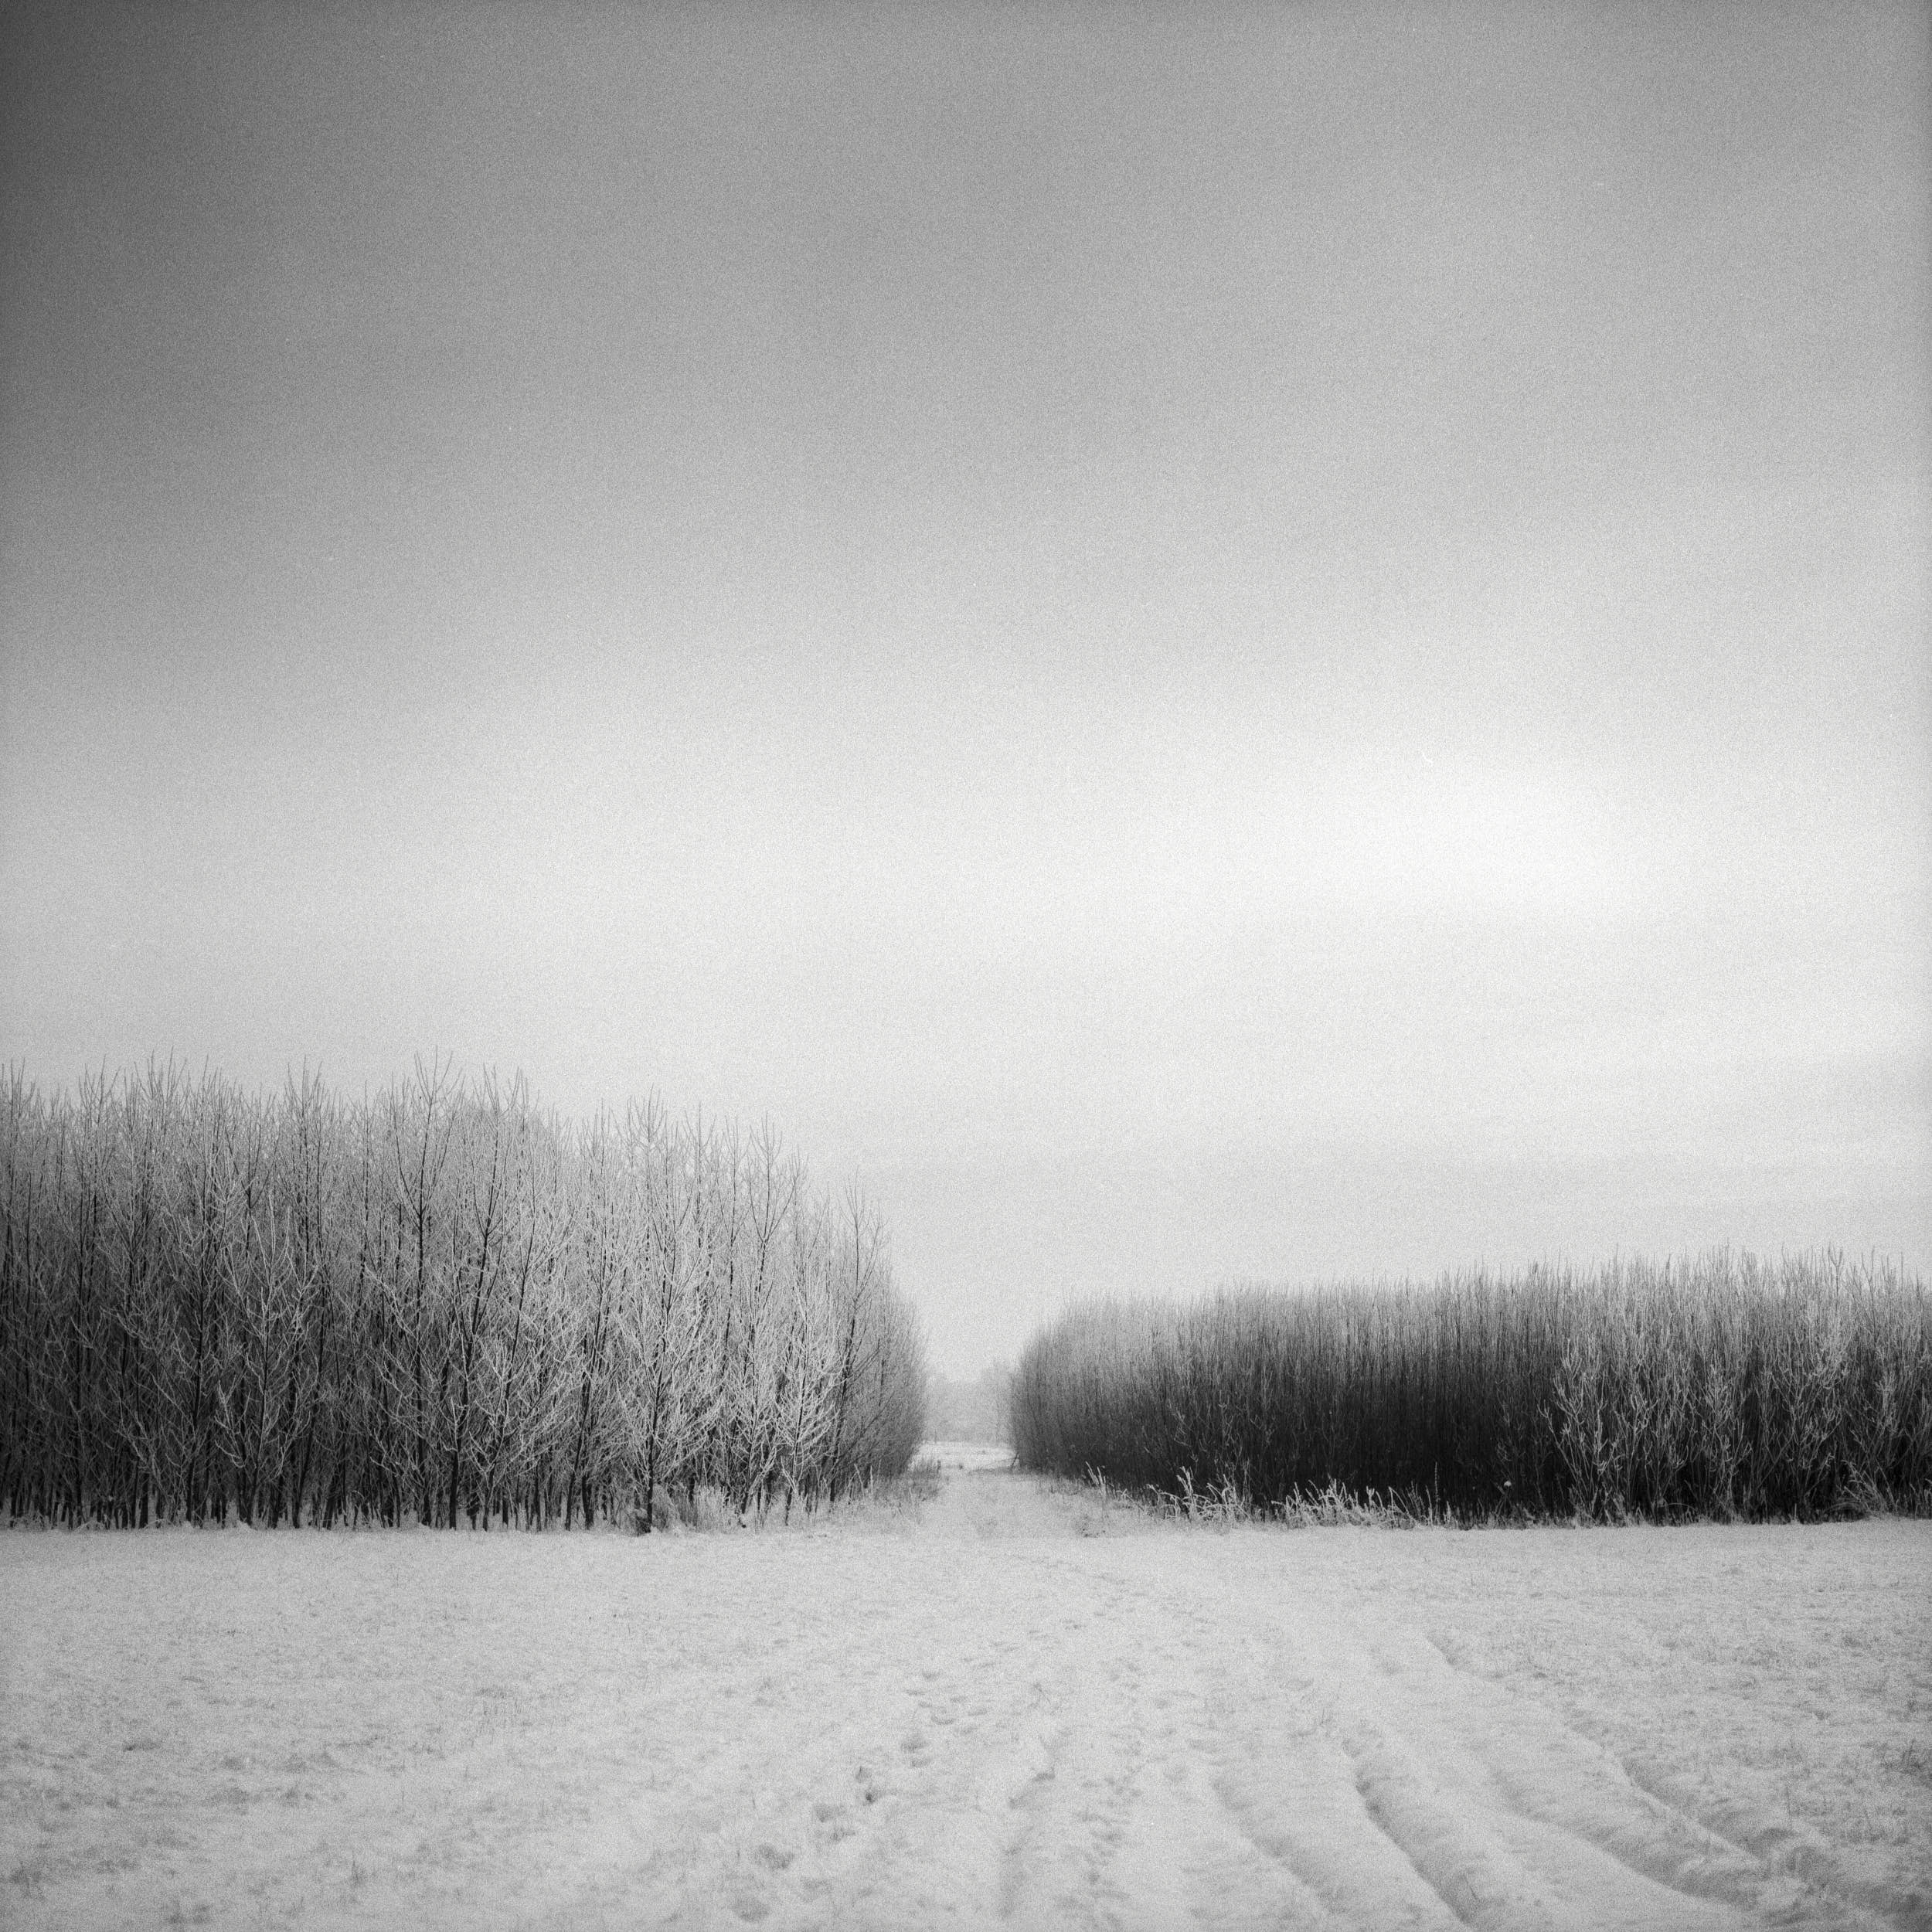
[(1726, 1387), (440, 1304)]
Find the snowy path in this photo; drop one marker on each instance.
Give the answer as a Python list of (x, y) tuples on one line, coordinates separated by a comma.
[(1017, 1708)]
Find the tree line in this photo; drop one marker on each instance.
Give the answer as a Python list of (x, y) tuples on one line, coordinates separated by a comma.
[(441, 1304), (1726, 1387)]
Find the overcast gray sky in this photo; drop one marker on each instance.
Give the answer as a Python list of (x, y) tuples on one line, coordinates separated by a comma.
[(1261, 640)]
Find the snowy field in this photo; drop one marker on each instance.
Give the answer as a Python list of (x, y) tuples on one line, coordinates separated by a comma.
[(1008, 1704)]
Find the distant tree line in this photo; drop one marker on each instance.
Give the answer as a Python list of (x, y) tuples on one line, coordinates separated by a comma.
[(975, 1411), (1725, 1387), (443, 1304)]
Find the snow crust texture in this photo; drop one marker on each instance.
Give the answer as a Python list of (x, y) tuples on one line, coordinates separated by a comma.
[(1012, 1705)]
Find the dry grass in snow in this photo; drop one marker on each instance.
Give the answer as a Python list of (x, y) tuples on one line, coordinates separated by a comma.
[(1010, 1702)]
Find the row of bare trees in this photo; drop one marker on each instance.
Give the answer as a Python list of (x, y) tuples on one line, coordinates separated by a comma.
[(437, 1305), (1724, 1386)]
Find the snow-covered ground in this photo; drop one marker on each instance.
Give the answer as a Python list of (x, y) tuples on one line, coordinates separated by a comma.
[(1011, 1704), (968, 1455)]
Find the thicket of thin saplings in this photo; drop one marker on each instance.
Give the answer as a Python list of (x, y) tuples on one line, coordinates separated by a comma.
[(1726, 1387), (441, 1304)]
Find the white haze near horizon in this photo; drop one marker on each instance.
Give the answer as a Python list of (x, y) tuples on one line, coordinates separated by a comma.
[(1203, 642)]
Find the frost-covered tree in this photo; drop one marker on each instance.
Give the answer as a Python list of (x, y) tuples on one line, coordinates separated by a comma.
[(440, 1305)]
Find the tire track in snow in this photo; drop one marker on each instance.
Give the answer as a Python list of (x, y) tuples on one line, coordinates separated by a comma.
[(1556, 1776), (1293, 1785), (1373, 1800), (1461, 1787), (1125, 1829)]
